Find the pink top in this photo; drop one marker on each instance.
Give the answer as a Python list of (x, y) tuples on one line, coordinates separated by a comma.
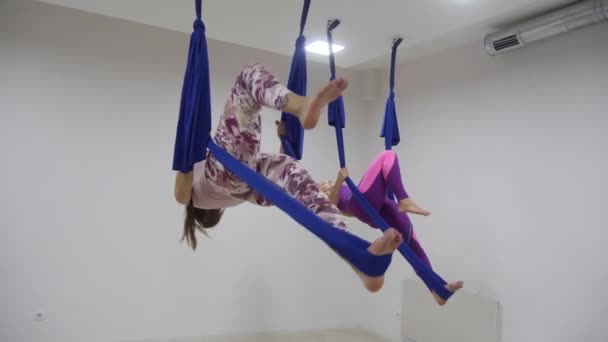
[(204, 193)]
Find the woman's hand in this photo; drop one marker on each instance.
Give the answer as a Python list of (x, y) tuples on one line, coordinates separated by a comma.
[(334, 195), (281, 130), (183, 187), (342, 174)]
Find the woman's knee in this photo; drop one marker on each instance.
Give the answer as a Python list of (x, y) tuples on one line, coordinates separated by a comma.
[(388, 161), (388, 154), (248, 71)]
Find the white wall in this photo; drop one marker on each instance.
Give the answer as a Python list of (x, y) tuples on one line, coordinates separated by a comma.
[(89, 229), (507, 152), (509, 155)]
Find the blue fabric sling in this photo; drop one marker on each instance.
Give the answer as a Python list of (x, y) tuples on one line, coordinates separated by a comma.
[(337, 119), (293, 141), (390, 127), (350, 247), (193, 137), (194, 123)]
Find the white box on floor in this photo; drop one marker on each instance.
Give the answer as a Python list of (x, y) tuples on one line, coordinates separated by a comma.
[(465, 318)]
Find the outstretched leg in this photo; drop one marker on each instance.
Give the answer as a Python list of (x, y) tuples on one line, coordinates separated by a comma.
[(402, 223), (390, 213)]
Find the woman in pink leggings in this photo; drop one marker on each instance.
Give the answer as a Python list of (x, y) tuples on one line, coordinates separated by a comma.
[(383, 174)]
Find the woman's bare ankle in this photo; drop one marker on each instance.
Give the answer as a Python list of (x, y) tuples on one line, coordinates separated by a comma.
[(296, 105)]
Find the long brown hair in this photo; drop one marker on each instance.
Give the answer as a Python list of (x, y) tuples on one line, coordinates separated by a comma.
[(200, 219)]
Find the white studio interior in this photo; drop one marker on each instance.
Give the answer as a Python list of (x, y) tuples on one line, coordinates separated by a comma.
[(503, 123)]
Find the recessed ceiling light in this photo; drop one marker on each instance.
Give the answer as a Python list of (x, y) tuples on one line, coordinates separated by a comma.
[(322, 47)]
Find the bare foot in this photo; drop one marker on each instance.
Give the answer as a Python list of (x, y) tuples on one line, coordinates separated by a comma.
[(452, 287), (311, 111), (409, 206), (386, 244)]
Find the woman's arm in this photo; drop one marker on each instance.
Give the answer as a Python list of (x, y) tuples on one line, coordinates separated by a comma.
[(183, 187), (281, 131), (334, 194)]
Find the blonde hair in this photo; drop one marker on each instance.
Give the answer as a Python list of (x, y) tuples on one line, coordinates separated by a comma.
[(326, 187)]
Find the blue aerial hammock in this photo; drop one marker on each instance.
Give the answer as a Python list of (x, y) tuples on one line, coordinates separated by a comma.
[(390, 126), (293, 141), (337, 119), (193, 138)]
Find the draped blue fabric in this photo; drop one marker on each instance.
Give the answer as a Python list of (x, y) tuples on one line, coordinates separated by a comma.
[(349, 246), (293, 142), (390, 126), (337, 118), (193, 139), (194, 123)]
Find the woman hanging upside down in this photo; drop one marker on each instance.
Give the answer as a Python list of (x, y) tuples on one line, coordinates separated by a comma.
[(383, 174), (210, 188)]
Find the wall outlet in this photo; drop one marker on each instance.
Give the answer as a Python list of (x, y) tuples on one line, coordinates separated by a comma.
[(39, 316)]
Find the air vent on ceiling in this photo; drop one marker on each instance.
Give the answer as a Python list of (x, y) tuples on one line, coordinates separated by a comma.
[(567, 19), (505, 43)]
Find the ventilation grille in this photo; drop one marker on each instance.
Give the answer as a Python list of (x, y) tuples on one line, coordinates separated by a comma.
[(505, 43), (582, 13)]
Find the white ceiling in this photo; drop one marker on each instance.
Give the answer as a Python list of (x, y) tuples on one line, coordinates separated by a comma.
[(367, 29)]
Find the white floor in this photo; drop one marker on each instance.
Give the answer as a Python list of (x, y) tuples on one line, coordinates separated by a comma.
[(347, 335)]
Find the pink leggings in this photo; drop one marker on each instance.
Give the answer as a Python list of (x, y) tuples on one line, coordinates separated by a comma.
[(384, 174)]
